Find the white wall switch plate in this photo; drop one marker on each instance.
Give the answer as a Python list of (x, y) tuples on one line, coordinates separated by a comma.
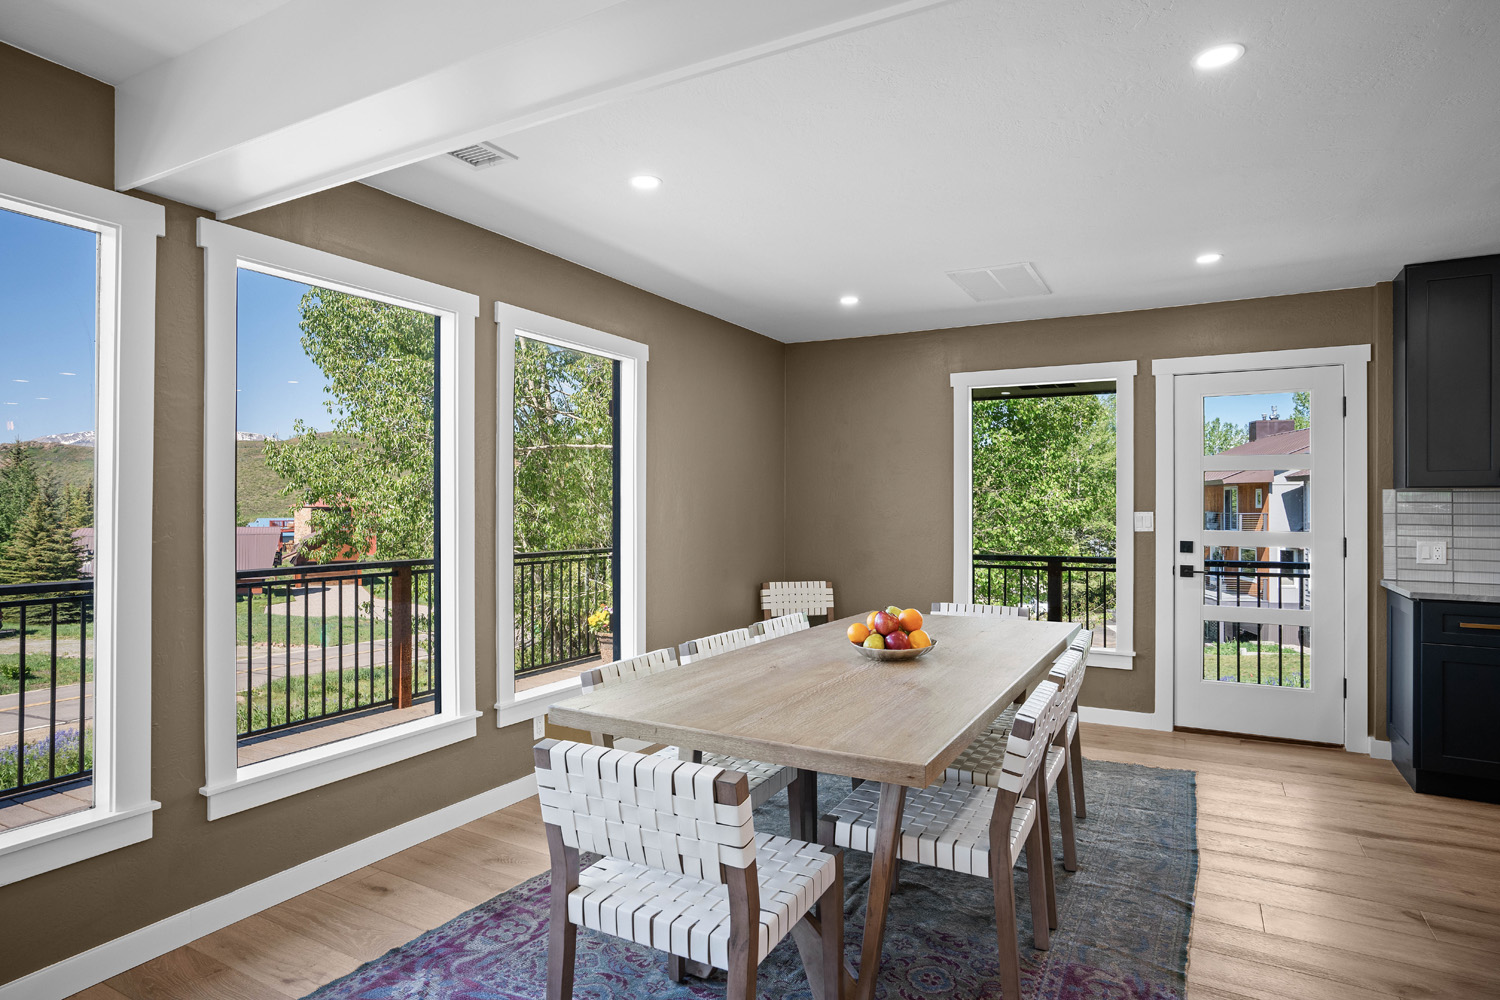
[(1432, 553), (1145, 520)]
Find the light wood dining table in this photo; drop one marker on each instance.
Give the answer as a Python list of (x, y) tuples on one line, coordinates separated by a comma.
[(811, 701)]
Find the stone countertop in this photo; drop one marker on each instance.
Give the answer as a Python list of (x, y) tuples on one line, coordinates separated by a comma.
[(1424, 591)]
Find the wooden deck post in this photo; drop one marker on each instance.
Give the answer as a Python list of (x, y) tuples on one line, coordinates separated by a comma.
[(401, 636)]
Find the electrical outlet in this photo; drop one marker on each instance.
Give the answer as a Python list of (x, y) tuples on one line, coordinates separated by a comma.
[(1432, 553)]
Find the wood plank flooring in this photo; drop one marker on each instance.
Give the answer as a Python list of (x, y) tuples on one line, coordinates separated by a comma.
[(1322, 877)]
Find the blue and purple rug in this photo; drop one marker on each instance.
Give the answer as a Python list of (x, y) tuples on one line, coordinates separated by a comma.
[(1124, 918)]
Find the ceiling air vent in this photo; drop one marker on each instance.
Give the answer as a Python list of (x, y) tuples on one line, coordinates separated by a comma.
[(1007, 281), (482, 154)]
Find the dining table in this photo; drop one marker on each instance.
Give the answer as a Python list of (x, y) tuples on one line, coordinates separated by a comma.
[(811, 701)]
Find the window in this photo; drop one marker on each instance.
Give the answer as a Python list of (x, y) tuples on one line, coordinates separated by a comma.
[(1260, 497), (339, 511), (77, 263), (571, 537), (1052, 532)]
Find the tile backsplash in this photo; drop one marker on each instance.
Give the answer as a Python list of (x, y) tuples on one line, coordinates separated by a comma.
[(1467, 522)]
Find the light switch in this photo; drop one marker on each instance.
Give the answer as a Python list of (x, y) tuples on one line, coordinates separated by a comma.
[(1432, 553), (1145, 520)]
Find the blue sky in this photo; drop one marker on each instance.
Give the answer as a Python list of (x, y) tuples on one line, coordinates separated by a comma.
[(47, 326), (277, 382), (1240, 410)]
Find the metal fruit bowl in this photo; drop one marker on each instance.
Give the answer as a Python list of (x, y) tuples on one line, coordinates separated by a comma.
[(895, 654)]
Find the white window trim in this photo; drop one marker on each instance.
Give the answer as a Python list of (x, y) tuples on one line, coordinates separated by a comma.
[(630, 608), (1122, 373), (230, 788), (125, 359), (1355, 360)]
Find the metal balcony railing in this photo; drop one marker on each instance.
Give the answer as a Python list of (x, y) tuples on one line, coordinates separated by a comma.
[(46, 685), (1056, 588), (555, 592)]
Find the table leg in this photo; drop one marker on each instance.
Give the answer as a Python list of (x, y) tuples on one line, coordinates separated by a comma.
[(802, 806), (882, 876)]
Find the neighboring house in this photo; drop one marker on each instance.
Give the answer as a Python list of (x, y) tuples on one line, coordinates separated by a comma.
[(83, 541), (302, 533), (1260, 499), (257, 548)]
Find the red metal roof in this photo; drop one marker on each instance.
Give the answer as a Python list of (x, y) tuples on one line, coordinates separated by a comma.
[(255, 548), (1290, 443)]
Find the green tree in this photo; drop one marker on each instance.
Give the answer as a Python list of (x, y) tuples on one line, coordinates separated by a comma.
[(19, 482), (564, 450), (371, 475), (1044, 475), (41, 549), (1301, 410), (1220, 435)]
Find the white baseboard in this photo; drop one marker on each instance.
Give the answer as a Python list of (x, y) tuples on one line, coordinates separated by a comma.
[(1116, 717), (1380, 749), (83, 970)]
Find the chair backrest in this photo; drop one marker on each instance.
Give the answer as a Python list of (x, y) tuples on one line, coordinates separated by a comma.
[(681, 817), (653, 662), (712, 645), (1029, 736), (773, 628), (813, 597), (1067, 673), (1003, 610)]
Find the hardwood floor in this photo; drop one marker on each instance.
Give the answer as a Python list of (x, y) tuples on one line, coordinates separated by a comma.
[(1322, 877)]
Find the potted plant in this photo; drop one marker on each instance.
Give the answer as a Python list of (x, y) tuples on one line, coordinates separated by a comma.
[(600, 623)]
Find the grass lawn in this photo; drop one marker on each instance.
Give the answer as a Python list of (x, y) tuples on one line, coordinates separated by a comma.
[(318, 700), (38, 672), (318, 628), (71, 757), (1278, 666)]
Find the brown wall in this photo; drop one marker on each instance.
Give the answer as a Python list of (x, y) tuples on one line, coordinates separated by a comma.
[(870, 428), (724, 528)]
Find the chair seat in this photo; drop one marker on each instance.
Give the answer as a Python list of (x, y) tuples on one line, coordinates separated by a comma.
[(946, 826), (765, 780), (688, 916)]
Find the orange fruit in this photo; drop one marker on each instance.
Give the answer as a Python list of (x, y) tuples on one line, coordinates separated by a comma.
[(874, 641), (858, 633), (911, 619), (870, 620), (919, 639)]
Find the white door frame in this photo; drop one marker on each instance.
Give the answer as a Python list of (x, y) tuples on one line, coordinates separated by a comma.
[(1355, 360)]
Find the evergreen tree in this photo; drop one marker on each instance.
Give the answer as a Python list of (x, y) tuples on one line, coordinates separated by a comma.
[(78, 506), (19, 482), (41, 548)]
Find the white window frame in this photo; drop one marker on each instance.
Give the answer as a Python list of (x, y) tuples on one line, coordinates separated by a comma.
[(630, 606), (1122, 373), (125, 380), (1355, 360), (230, 788)]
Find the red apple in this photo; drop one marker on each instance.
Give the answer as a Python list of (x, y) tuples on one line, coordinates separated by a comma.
[(898, 640), (885, 624)]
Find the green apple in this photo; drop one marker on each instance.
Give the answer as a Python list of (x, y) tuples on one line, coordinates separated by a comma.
[(893, 611)]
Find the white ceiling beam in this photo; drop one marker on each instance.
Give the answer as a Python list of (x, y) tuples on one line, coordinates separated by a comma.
[(319, 93)]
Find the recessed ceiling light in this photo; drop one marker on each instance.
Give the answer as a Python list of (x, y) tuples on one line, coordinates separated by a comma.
[(1218, 56), (849, 300), (645, 182), (1005, 392), (1209, 258)]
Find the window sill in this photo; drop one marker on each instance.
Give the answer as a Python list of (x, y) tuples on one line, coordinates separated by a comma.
[(533, 704), (56, 843), (267, 781), (1112, 659)]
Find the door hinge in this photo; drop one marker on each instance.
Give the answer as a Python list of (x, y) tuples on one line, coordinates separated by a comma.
[(1346, 687), (1346, 406)]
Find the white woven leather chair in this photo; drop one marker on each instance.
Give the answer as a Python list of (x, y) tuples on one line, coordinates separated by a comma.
[(977, 829), (982, 761), (775, 628), (712, 645), (1003, 610), (765, 779), (811, 597), (683, 869)]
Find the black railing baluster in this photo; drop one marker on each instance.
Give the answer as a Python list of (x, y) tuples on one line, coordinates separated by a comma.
[(52, 705)]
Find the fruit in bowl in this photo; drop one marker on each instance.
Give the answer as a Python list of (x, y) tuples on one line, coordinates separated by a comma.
[(893, 629)]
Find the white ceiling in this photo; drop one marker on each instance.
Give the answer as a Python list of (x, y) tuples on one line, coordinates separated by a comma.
[(113, 40), (1355, 136)]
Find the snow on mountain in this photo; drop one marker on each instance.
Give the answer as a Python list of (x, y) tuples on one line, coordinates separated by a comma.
[(77, 437), (248, 436)]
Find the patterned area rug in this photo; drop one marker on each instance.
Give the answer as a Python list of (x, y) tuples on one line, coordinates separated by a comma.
[(1124, 920)]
